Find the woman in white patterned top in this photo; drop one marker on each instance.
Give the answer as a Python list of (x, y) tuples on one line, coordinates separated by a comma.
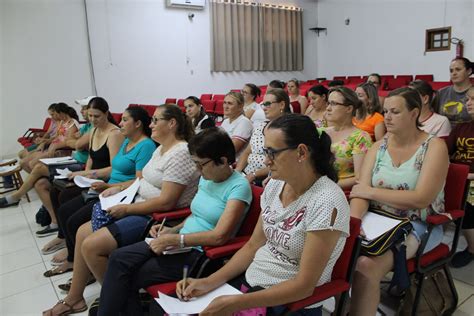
[(169, 181), (301, 231)]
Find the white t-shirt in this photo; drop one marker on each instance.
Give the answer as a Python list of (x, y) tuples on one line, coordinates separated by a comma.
[(241, 128), (258, 115), (174, 166), (437, 125), (285, 229)]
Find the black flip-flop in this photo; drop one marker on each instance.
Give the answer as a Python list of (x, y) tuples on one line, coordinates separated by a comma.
[(56, 271)]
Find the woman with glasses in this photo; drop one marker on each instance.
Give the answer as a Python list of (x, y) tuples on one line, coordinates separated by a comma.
[(293, 87), (253, 111), (301, 230), (451, 101), (169, 181), (404, 173), (195, 111), (318, 101), (368, 117), (349, 144), (217, 211), (275, 104), (236, 124)]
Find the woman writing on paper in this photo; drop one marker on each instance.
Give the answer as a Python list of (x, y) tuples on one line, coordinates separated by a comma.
[(217, 211), (301, 231), (404, 173)]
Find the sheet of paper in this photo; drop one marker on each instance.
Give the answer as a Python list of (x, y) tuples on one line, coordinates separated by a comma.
[(173, 305), (124, 197), (375, 225), (7, 169), (62, 173), (11, 160), (171, 250), (84, 182), (58, 160)]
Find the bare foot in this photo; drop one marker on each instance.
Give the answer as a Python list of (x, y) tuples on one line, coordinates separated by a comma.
[(53, 246), (60, 256)]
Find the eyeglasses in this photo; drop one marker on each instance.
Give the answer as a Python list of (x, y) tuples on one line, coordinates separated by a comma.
[(271, 153), (334, 103), (269, 103), (201, 165), (155, 119)]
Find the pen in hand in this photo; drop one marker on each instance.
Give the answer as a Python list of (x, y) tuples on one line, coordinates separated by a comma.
[(185, 276), (161, 227)]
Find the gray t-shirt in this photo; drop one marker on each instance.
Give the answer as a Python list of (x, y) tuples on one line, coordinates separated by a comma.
[(452, 104)]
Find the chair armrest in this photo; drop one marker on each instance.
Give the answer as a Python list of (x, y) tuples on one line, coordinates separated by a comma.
[(176, 214), (228, 249), (36, 130), (443, 219)]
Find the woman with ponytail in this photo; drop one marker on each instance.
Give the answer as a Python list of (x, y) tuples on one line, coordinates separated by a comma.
[(301, 231), (169, 181)]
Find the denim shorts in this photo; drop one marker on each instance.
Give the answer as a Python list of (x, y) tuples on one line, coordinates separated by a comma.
[(420, 228), (129, 229)]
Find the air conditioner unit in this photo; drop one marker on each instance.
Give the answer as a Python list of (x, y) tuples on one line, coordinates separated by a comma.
[(188, 4)]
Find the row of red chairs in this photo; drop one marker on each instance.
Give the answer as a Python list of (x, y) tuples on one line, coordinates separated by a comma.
[(421, 265)]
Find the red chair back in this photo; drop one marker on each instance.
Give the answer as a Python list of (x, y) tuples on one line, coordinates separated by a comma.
[(406, 78), (47, 124), (209, 105), (427, 78), (296, 107), (344, 263), (218, 97), (219, 109), (117, 117), (206, 96), (454, 188), (170, 101), (437, 85), (253, 214)]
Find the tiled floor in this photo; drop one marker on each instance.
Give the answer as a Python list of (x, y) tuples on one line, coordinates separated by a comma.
[(24, 290)]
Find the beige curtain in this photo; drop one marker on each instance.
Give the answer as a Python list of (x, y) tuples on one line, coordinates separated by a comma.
[(249, 37)]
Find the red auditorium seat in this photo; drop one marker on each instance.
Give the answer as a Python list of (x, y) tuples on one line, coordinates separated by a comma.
[(219, 109), (209, 106), (117, 117), (437, 85), (354, 80), (394, 83), (170, 101), (180, 103), (27, 138), (427, 78), (218, 97), (206, 96)]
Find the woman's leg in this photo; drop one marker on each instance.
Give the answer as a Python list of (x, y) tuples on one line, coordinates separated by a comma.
[(72, 225), (38, 172), (96, 249)]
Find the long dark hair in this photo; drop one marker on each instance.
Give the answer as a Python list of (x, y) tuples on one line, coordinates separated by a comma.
[(202, 112), (423, 88), (185, 128), (300, 129), (254, 90), (139, 114), (100, 104), (62, 107)]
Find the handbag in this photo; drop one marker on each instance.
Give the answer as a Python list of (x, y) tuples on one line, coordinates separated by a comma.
[(435, 299), (389, 239), (89, 196), (100, 218)]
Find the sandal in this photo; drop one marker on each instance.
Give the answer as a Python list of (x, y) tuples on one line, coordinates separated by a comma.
[(53, 248), (56, 271), (70, 310), (67, 286)]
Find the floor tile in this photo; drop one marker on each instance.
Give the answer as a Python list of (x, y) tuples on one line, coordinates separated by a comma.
[(464, 290), (468, 306), (19, 260), (29, 302), (22, 240), (21, 280)]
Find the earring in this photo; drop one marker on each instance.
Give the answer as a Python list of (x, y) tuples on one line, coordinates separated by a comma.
[(299, 160)]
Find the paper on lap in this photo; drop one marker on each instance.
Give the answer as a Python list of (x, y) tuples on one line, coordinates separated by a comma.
[(123, 197), (58, 160), (62, 173), (375, 225), (196, 305), (84, 182)]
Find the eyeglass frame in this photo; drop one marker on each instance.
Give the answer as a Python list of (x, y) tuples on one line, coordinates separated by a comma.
[(270, 153), (155, 119), (269, 103), (334, 103), (201, 165)]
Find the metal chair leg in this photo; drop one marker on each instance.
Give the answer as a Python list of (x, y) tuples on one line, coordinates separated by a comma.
[(420, 278)]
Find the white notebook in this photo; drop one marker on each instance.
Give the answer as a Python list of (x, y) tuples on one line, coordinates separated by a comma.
[(375, 225)]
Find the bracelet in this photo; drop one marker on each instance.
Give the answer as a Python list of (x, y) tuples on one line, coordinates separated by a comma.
[(181, 241)]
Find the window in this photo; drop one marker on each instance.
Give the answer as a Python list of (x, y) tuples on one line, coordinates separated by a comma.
[(438, 39)]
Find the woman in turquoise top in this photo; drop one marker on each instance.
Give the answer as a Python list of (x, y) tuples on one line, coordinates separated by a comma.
[(403, 173)]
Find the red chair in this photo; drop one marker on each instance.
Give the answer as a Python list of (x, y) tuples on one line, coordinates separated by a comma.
[(427, 78), (150, 109), (407, 78), (31, 133), (221, 252), (259, 99), (218, 97), (395, 83), (384, 80), (355, 79), (206, 96), (296, 106), (438, 85), (117, 117), (312, 82), (170, 101), (219, 109), (180, 104), (209, 106), (341, 278), (343, 78), (455, 192)]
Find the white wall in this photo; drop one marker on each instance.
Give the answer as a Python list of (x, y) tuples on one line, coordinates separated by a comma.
[(388, 36), (44, 60), (140, 50), (144, 52)]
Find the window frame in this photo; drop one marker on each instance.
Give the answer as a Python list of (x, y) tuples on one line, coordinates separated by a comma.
[(430, 39)]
